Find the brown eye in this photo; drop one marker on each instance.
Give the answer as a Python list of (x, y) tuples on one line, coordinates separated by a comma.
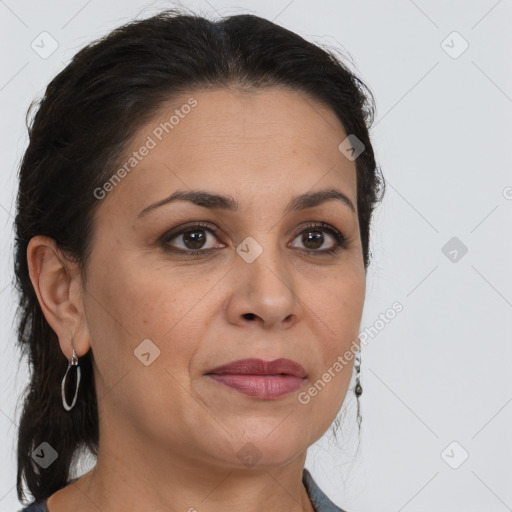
[(194, 239), (191, 239), (313, 237)]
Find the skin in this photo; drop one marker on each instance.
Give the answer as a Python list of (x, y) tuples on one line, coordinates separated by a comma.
[(169, 435)]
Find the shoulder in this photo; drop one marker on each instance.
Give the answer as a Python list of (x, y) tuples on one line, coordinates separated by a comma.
[(35, 506), (319, 500), (42, 504)]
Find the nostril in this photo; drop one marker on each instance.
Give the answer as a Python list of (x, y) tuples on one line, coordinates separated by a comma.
[(249, 316)]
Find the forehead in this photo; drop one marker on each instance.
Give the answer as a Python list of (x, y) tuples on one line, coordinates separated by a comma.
[(271, 143)]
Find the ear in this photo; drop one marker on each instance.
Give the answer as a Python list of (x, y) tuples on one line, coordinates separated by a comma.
[(58, 286)]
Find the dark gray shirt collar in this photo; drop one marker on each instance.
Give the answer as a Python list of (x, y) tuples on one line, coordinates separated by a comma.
[(319, 500)]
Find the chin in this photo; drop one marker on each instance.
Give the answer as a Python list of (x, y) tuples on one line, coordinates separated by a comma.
[(263, 451)]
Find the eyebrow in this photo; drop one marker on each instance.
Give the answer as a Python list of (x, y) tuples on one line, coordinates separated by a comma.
[(223, 202)]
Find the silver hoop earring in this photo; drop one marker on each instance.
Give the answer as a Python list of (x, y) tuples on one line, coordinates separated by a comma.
[(72, 362)]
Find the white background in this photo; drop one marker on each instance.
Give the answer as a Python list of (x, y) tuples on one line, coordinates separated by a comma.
[(440, 371)]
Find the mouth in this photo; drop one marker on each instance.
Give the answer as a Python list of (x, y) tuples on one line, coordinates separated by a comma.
[(260, 379)]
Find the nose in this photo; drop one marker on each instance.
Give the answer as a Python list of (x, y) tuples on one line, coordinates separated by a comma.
[(264, 292)]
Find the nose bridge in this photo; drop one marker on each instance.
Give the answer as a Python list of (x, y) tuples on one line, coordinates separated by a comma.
[(265, 282), (263, 257)]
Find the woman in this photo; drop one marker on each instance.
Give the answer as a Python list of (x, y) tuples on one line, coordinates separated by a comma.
[(192, 235)]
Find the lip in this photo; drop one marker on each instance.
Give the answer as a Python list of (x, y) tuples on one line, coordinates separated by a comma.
[(260, 367), (260, 379)]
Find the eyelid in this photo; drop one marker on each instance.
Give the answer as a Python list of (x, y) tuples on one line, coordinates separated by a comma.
[(339, 237), (189, 226)]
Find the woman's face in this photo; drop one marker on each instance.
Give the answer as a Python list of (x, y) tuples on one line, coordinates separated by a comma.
[(160, 318)]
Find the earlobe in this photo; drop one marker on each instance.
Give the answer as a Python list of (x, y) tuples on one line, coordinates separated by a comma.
[(52, 281)]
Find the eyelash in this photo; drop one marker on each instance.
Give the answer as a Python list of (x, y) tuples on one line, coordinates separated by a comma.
[(341, 241)]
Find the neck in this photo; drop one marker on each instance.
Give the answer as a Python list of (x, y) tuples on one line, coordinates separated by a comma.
[(125, 478)]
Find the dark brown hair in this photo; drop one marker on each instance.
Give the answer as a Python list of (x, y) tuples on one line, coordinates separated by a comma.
[(85, 120)]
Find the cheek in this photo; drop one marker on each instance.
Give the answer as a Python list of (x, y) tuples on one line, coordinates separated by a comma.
[(148, 300), (336, 312), (338, 306), (133, 304), (129, 303)]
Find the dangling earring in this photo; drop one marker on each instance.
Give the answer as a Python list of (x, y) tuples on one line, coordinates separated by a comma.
[(73, 362), (358, 390)]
